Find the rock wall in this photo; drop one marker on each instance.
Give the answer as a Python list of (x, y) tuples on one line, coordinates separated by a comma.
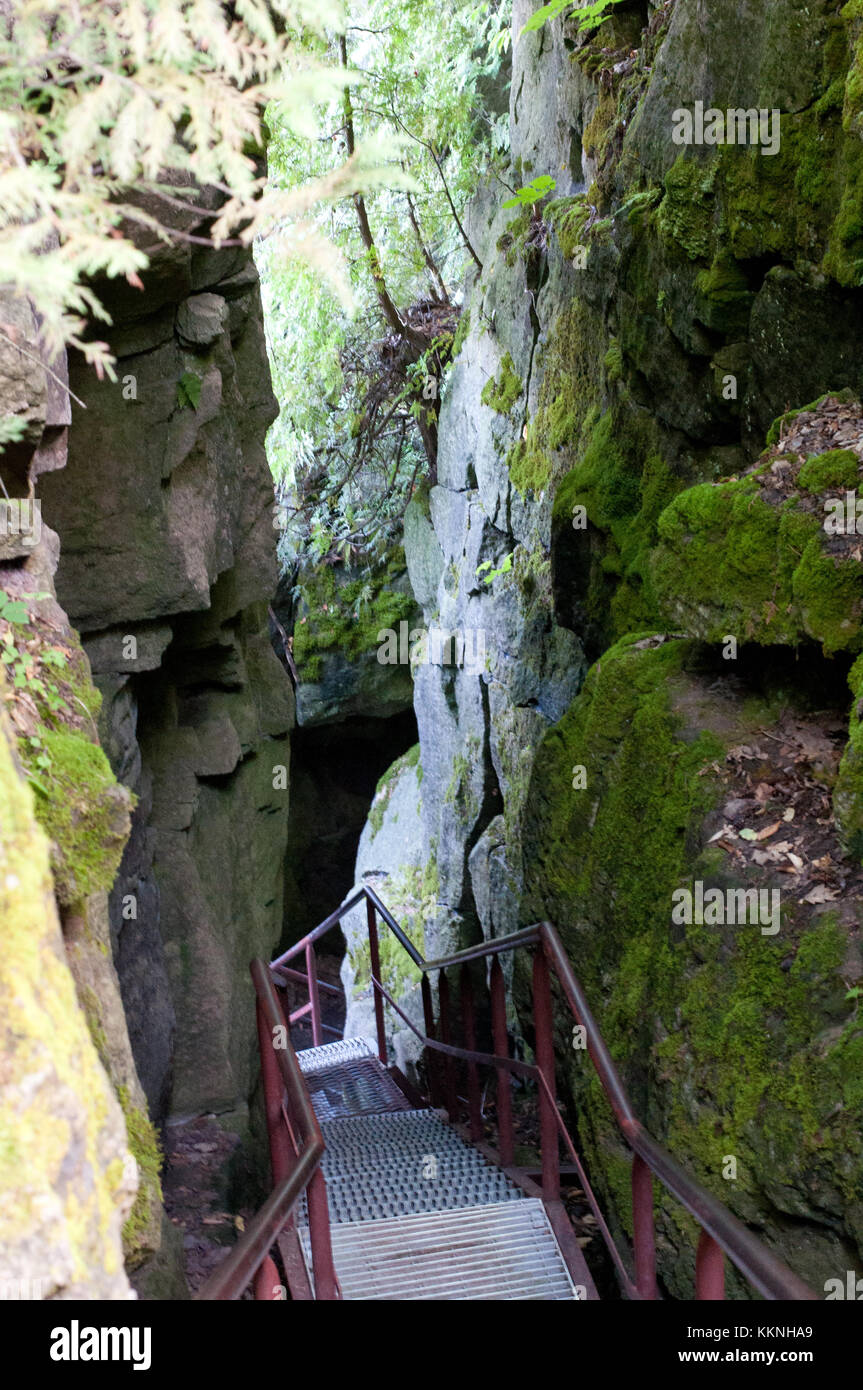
[(167, 568), (81, 1160), (67, 1178), (603, 498)]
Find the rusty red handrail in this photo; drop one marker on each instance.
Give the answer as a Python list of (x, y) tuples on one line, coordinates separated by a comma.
[(720, 1232), (296, 1149)]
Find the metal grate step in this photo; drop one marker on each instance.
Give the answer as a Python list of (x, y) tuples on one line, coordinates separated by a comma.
[(360, 1086), (501, 1252), (331, 1054), (380, 1166)]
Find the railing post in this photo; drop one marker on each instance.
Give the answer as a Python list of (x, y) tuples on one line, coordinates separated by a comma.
[(326, 1283), (431, 1055), (542, 1018), (266, 1280), (473, 1090), (314, 997), (280, 1155), (709, 1269), (448, 1068), (505, 1137), (643, 1235), (375, 962)]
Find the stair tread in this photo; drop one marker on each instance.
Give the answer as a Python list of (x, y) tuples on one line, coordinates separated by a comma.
[(499, 1251), (415, 1211)]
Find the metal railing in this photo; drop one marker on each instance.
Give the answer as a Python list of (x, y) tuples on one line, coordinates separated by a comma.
[(296, 1149), (721, 1233)]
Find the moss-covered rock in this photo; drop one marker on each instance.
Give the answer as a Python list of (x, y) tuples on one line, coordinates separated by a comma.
[(502, 392), (84, 811), (733, 1042), (66, 1179), (336, 643), (752, 557)]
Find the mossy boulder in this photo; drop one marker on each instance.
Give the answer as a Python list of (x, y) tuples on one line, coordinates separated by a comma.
[(734, 1042), (336, 643), (67, 1181), (756, 557)]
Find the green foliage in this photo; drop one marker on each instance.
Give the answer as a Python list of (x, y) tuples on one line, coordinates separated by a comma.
[(489, 574), (532, 192), (587, 15), (107, 110), (346, 451), (14, 610), (189, 390)]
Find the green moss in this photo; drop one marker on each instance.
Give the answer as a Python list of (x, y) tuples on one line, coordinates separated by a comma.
[(613, 361), (730, 562), (501, 393), (144, 1147), (624, 484), (571, 379), (459, 793), (385, 786), (731, 1042), (84, 813), (412, 898), (724, 297), (93, 1014), (688, 210), (45, 1035), (461, 332), (346, 617), (511, 243), (569, 217), (838, 468), (848, 792)]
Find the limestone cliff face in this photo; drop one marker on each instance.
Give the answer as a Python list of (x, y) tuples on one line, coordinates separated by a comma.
[(166, 854), (627, 351), (67, 1179), (74, 1172), (167, 568)]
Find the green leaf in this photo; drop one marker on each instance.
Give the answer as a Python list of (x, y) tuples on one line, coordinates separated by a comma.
[(13, 609), (545, 13), (532, 192), (588, 16), (189, 390)]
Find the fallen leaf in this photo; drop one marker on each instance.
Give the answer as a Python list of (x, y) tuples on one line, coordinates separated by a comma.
[(788, 813), (747, 834), (768, 831), (820, 894)]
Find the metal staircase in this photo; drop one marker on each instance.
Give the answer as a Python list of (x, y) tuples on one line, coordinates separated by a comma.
[(415, 1212), (381, 1193)]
